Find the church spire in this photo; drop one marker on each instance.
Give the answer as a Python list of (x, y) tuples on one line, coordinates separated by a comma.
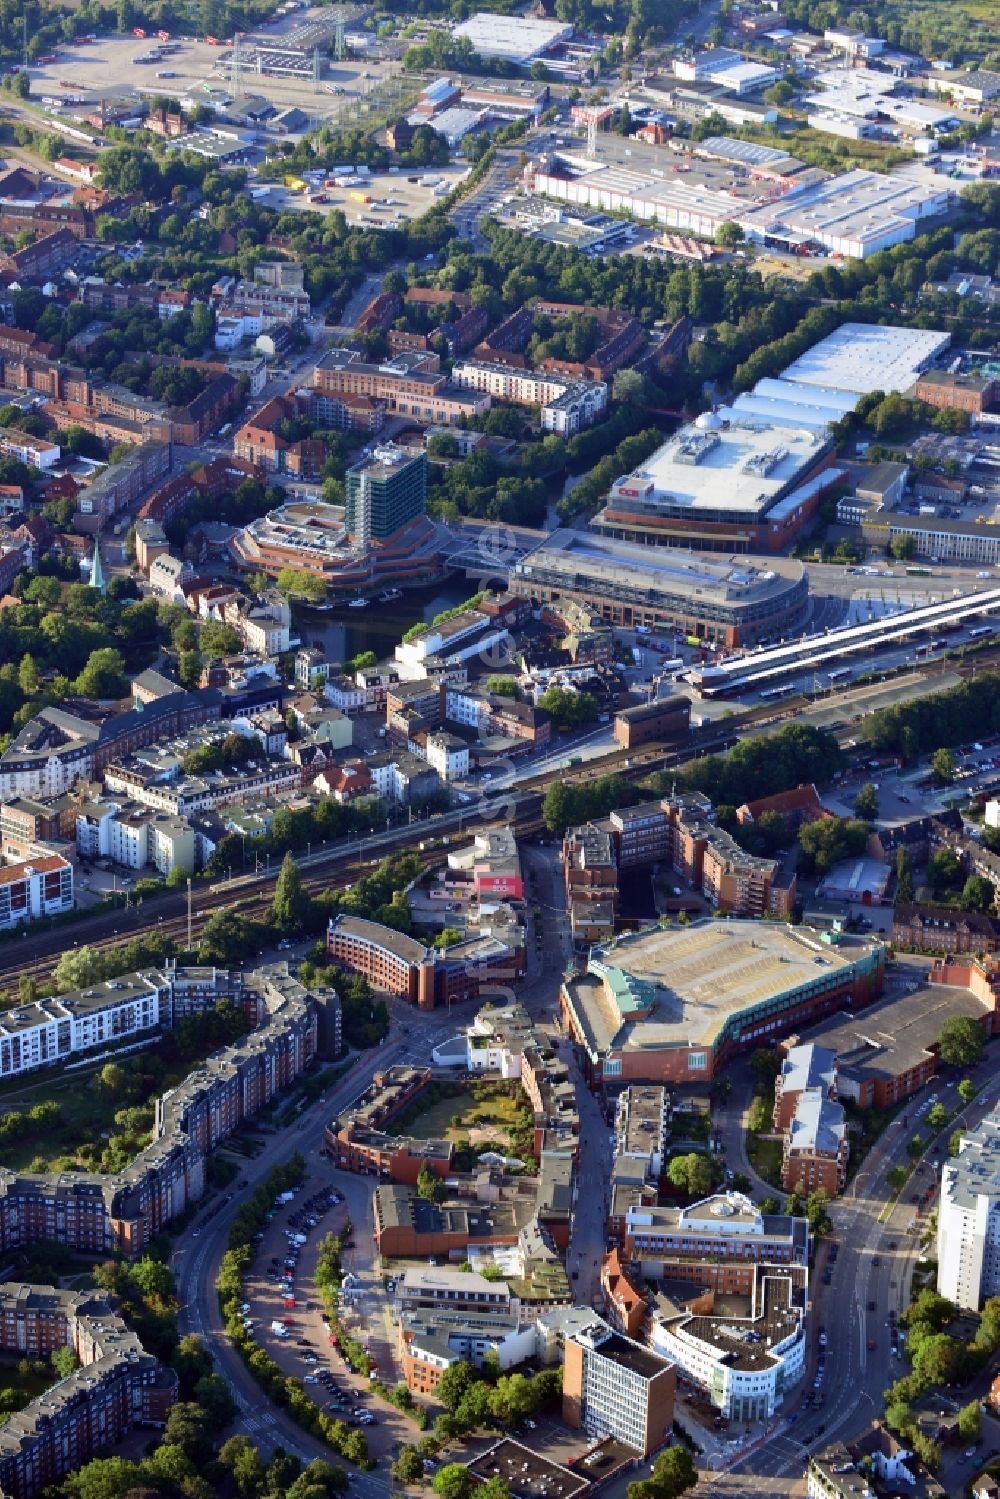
[(97, 569)]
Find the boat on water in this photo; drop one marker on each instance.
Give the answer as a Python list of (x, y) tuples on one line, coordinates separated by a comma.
[(390, 595), (359, 603)]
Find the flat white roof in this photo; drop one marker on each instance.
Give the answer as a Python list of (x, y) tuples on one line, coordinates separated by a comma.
[(742, 73), (785, 403), (741, 466), (858, 205), (917, 114), (641, 187), (862, 357), (517, 38), (730, 148)]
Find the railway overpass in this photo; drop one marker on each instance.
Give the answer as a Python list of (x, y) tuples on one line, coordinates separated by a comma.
[(765, 668)]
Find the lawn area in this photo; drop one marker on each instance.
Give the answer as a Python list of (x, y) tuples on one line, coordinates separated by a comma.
[(480, 1115), (21, 1380), (765, 1157), (87, 1121), (497, 1113)]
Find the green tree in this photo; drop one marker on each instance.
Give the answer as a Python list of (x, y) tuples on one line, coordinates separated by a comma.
[(227, 939), (292, 902), (240, 1457), (103, 676), (967, 1090), (904, 877), (866, 803), (674, 1472), (567, 707), (28, 678), (955, 1141), (212, 1396), (943, 766), (969, 1423), (828, 840), (63, 1361), (453, 1481), (408, 1467), (977, 894), (429, 1186), (457, 1379), (295, 584), (692, 1173), (189, 669), (759, 1116), (938, 1116), (113, 1081), (729, 234), (944, 869), (960, 1041), (903, 548), (897, 1177), (816, 1213)]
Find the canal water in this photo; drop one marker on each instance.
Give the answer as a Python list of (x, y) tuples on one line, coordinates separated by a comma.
[(380, 627)]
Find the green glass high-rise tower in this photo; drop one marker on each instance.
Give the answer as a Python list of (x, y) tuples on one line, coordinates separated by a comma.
[(384, 492)]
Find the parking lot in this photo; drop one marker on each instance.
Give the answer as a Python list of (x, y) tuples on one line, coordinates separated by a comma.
[(393, 196), (108, 65), (280, 1293)]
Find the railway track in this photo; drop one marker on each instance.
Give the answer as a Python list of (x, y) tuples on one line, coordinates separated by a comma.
[(167, 913)]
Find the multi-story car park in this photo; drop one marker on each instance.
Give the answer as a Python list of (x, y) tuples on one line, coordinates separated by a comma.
[(725, 602), (672, 1005)]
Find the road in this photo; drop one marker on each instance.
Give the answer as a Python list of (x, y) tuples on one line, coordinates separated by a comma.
[(855, 1377), (196, 1265), (730, 1125)]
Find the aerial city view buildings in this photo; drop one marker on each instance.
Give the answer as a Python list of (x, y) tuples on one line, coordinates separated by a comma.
[(500, 750)]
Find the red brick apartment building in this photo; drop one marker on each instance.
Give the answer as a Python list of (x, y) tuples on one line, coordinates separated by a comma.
[(208, 410), (119, 1385), (397, 964), (48, 256), (359, 1141), (794, 807)]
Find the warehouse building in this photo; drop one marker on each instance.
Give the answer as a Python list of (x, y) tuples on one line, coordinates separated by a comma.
[(518, 39), (854, 214)]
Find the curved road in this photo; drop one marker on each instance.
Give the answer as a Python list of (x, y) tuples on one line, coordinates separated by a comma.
[(196, 1265), (855, 1377)]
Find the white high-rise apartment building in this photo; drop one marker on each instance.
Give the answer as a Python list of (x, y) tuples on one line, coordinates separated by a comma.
[(968, 1238)]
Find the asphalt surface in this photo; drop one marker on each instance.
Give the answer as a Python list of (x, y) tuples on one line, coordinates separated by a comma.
[(855, 1376), (196, 1265)]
